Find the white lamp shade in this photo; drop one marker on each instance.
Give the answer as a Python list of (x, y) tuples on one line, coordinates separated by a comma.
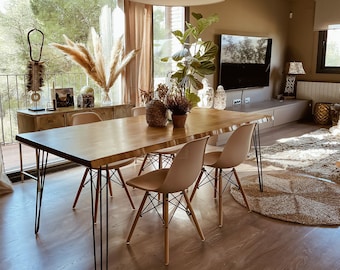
[(296, 68), (178, 3)]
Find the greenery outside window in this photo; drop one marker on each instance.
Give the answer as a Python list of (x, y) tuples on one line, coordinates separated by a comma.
[(328, 60), (165, 20)]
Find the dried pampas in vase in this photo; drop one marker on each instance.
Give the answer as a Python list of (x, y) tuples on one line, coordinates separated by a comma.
[(94, 65)]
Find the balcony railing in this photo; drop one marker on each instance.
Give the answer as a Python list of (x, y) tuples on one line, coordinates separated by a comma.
[(14, 96)]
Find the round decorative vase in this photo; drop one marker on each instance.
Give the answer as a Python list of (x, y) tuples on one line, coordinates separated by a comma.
[(220, 99), (179, 120), (156, 113)]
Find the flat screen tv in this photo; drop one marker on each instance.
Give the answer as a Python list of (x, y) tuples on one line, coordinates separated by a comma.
[(244, 61)]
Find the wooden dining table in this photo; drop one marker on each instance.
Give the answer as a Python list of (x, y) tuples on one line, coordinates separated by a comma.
[(98, 144)]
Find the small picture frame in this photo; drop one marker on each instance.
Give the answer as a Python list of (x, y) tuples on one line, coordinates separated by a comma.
[(64, 97)]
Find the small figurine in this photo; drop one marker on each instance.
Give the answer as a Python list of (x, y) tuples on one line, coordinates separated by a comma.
[(220, 99), (206, 95)]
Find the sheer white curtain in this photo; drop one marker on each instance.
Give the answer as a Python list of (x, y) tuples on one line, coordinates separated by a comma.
[(5, 183), (138, 34)]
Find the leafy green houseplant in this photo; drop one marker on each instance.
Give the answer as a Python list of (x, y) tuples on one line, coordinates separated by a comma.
[(196, 59)]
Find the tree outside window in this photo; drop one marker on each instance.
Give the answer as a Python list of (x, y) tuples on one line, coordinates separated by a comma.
[(165, 20)]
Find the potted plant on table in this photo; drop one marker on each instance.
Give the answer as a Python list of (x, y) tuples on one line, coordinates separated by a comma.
[(196, 59), (176, 102)]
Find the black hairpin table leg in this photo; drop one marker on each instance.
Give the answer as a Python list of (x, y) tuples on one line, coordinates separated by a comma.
[(257, 147)]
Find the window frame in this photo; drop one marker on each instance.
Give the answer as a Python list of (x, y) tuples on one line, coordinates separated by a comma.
[(321, 56)]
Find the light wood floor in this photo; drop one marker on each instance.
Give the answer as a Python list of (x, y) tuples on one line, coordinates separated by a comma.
[(247, 240)]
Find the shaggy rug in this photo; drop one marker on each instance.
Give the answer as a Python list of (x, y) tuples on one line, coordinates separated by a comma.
[(313, 153), (292, 197)]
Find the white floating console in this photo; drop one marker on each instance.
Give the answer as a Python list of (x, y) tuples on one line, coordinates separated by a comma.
[(284, 111)]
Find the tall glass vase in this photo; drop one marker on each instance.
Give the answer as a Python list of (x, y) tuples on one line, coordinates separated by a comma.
[(106, 99)]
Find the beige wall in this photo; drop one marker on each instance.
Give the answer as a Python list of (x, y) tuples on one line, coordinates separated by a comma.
[(293, 39), (268, 18)]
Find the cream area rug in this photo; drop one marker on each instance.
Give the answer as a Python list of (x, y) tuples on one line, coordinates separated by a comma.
[(292, 197), (313, 153)]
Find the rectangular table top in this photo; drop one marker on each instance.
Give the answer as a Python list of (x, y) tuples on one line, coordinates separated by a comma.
[(100, 143)]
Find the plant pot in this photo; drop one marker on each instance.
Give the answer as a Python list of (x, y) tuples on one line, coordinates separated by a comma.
[(179, 120)]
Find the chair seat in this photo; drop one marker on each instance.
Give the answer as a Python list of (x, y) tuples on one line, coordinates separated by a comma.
[(210, 158), (213, 148), (150, 181), (118, 164)]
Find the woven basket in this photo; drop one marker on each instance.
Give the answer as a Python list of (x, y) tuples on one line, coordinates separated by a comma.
[(322, 113), (335, 113), (156, 115)]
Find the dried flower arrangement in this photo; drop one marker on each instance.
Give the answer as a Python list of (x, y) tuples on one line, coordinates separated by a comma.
[(177, 104), (94, 65), (176, 101)]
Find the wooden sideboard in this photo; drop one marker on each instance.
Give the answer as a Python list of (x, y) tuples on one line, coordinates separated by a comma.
[(29, 121)]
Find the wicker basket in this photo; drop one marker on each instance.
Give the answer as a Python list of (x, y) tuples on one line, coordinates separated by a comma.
[(322, 113), (335, 113), (156, 115)]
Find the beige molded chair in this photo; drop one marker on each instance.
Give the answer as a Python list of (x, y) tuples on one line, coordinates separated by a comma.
[(163, 157), (112, 169), (183, 172), (233, 154)]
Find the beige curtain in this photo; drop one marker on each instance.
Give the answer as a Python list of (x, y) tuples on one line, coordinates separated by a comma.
[(138, 34)]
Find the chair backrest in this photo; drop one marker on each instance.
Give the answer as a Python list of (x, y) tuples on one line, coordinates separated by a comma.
[(85, 118), (138, 111), (185, 167), (236, 148)]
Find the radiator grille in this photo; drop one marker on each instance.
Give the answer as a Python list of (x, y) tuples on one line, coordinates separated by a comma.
[(318, 91)]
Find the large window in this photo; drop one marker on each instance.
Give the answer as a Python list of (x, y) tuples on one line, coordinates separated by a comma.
[(165, 20), (329, 50)]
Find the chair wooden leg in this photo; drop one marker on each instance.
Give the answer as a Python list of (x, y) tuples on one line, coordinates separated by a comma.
[(166, 228), (138, 215), (125, 188), (81, 186), (143, 163), (220, 201), (160, 165), (215, 182), (196, 185), (160, 161), (199, 230), (241, 189)]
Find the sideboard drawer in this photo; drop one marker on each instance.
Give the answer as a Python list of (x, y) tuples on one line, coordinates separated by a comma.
[(50, 121)]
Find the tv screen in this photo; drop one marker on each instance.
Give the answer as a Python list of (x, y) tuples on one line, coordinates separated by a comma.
[(244, 61)]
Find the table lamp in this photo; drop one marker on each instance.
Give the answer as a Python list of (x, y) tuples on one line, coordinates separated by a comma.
[(294, 68)]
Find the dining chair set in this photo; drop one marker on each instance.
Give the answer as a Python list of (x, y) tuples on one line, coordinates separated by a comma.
[(168, 185)]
